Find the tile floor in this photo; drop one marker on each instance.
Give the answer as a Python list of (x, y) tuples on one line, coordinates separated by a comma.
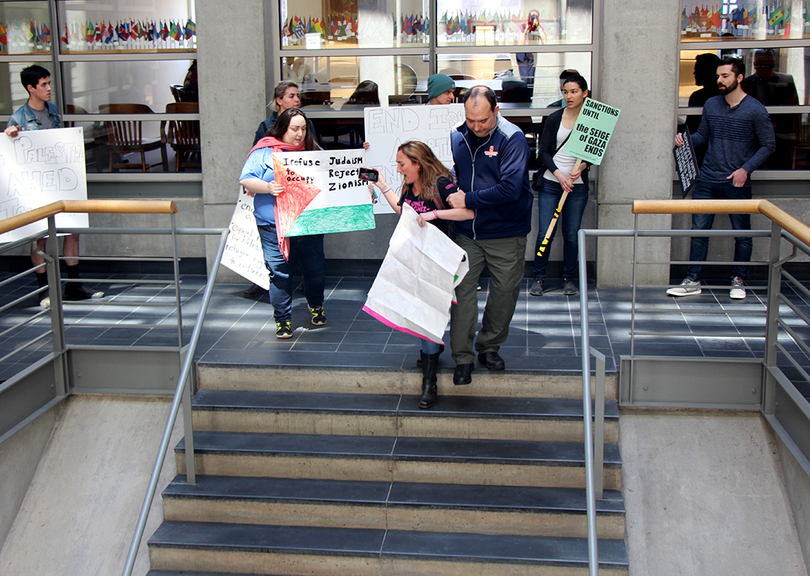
[(544, 334)]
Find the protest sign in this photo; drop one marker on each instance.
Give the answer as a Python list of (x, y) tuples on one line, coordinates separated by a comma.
[(686, 164), (39, 167), (323, 193), (414, 287), (387, 128), (243, 250), (592, 131)]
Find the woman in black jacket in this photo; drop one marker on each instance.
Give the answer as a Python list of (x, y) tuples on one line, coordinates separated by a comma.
[(559, 177)]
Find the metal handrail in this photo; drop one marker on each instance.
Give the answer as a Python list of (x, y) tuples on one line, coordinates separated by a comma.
[(182, 395)]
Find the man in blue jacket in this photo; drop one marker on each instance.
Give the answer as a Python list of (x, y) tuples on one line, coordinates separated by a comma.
[(491, 167)]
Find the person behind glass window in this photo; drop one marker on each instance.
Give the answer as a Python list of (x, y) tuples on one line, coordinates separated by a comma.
[(39, 113), (441, 89), (288, 134)]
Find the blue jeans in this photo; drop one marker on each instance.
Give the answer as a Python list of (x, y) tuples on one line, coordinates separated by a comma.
[(306, 254), (548, 199), (429, 347), (743, 246)]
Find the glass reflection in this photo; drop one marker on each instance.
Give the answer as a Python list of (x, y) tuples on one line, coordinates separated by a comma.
[(744, 20)]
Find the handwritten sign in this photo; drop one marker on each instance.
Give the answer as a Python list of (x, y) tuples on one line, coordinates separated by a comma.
[(592, 132), (343, 203), (686, 163), (39, 167), (387, 128), (243, 250)]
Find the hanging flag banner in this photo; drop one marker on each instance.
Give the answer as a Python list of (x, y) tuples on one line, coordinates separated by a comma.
[(39, 167), (591, 133), (387, 128), (414, 287), (243, 249)]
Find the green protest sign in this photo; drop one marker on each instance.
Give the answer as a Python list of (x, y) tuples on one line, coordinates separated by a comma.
[(591, 133)]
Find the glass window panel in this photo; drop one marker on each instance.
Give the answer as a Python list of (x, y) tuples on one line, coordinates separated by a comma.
[(743, 20), (100, 151), (540, 73), (12, 93), (26, 28), (91, 84), (775, 77), (353, 23), (514, 22), (347, 80), (128, 25)]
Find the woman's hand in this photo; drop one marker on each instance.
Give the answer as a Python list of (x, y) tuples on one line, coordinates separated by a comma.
[(563, 180), (274, 188), (578, 172)]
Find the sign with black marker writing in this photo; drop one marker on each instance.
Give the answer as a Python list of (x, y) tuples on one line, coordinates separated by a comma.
[(592, 131), (39, 167), (686, 164)]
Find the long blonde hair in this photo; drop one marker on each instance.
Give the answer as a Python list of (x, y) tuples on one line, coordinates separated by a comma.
[(430, 168)]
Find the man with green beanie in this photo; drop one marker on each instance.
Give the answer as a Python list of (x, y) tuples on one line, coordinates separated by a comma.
[(440, 89)]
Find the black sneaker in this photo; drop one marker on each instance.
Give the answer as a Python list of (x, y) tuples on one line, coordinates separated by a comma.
[(318, 317), (570, 287), (283, 330), (537, 287), (76, 291)]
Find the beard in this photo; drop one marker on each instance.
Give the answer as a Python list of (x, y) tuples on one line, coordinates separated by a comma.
[(726, 89)]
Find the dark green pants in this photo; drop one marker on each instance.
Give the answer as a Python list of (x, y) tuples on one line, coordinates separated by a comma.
[(505, 258)]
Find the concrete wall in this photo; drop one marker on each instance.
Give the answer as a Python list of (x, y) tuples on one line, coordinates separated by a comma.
[(82, 504), (704, 495), (19, 459), (797, 485), (639, 66)]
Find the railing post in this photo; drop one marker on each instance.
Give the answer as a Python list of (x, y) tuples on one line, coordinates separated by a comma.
[(57, 314), (599, 425), (771, 318)]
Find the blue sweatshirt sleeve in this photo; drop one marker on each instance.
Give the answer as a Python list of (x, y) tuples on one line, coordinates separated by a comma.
[(766, 138)]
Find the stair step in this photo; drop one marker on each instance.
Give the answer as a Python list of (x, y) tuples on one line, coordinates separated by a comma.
[(527, 511), (396, 415), (534, 384), (385, 458), (317, 551)]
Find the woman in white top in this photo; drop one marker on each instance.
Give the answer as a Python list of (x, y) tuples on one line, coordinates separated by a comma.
[(559, 177)]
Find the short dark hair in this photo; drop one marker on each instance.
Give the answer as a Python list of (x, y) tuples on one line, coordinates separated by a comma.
[(32, 75), (280, 90), (737, 65), (278, 129), (568, 72), (482, 91)]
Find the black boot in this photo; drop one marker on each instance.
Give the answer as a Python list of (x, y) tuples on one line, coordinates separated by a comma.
[(419, 360), (75, 290), (430, 362)]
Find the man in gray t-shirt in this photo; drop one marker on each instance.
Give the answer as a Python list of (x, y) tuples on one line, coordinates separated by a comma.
[(40, 114)]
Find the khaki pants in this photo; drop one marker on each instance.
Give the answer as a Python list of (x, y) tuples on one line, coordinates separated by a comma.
[(505, 258)]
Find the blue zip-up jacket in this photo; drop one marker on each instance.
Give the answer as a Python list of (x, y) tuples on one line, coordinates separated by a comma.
[(495, 176), (24, 117)]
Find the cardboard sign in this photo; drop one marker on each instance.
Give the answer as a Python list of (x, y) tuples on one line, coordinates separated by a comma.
[(39, 167), (414, 287), (591, 133), (686, 164), (243, 249), (325, 192), (387, 128)]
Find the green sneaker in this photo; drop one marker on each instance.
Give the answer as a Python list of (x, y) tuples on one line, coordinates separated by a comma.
[(318, 317), (283, 330)]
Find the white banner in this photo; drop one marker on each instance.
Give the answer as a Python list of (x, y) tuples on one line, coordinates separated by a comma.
[(387, 128), (39, 167), (243, 250)]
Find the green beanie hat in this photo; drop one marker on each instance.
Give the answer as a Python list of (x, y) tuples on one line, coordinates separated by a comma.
[(439, 84)]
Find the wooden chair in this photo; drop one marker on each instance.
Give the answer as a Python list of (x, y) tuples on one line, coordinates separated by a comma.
[(126, 137), (183, 136)]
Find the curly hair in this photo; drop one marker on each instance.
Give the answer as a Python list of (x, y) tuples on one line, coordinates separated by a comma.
[(430, 168)]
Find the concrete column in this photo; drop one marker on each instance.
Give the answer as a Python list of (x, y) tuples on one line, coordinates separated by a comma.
[(639, 75), (233, 66)]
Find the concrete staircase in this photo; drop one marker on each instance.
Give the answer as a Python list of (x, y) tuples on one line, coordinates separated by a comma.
[(326, 472)]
